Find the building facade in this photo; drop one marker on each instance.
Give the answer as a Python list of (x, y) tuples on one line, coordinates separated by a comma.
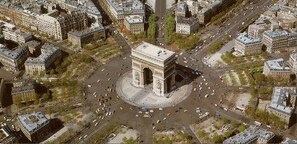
[(134, 24), (186, 25), (84, 37), (16, 35), (153, 64), (35, 126), (23, 91), (13, 60), (292, 62), (252, 134), (49, 54), (246, 46), (283, 102), (277, 69), (118, 9), (279, 40), (58, 25)]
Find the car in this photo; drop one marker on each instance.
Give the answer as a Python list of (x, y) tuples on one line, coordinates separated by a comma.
[(160, 109), (108, 79), (147, 116), (89, 86), (121, 108), (80, 138), (215, 105), (85, 136), (206, 96), (154, 127), (185, 110), (168, 114), (158, 121), (96, 123), (164, 118), (102, 70)]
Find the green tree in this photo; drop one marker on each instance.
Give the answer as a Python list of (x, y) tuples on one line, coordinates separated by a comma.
[(217, 138), (228, 134), (225, 120), (169, 28), (201, 133), (151, 32), (241, 128)]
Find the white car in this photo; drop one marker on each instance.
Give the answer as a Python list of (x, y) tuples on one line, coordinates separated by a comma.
[(89, 86), (206, 96), (96, 124)]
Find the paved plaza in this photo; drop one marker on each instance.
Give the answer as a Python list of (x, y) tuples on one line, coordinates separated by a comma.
[(145, 97)]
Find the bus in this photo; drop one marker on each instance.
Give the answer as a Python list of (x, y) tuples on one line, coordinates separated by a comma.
[(258, 123)]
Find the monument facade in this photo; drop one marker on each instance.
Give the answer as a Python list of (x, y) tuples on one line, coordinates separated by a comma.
[(153, 65)]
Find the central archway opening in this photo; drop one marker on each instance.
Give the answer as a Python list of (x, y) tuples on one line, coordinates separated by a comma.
[(148, 76)]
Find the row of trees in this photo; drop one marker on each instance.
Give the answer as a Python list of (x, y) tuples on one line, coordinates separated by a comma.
[(100, 136), (169, 28), (151, 31), (265, 117)]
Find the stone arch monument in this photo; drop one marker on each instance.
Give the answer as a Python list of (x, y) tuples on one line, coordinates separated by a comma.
[(153, 65)]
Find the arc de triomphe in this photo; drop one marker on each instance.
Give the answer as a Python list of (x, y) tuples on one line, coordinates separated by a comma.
[(153, 64)]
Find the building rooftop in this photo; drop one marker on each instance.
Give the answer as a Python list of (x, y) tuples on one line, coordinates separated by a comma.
[(294, 56), (33, 43), (243, 38), (13, 54), (134, 19), (153, 51), (181, 6), (7, 25), (276, 33), (279, 98), (127, 6), (289, 141), (46, 51), (277, 64), (22, 85), (188, 21), (249, 135), (94, 28), (33, 122)]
